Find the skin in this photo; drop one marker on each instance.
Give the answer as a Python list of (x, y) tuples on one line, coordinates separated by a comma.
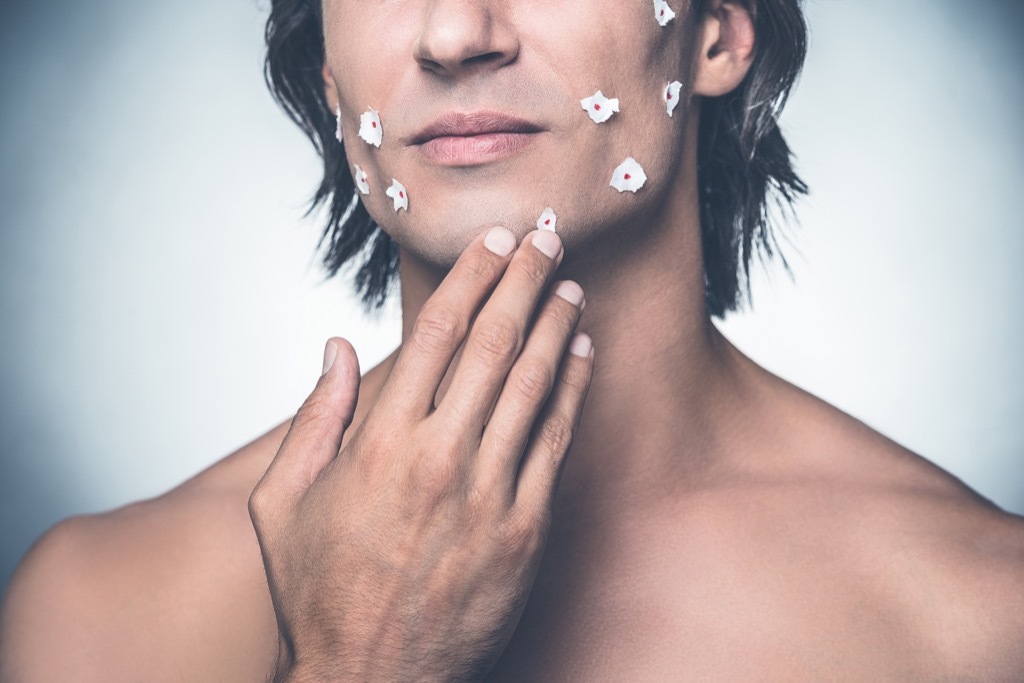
[(712, 521), (435, 515)]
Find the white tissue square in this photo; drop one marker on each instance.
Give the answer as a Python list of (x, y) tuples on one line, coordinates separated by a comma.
[(599, 107), (547, 220), (398, 193), (370, 127), (671, 96), (662, 12), (362, 181), (629, 176)]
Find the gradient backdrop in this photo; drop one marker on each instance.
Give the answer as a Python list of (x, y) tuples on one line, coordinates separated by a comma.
[(161, 305)]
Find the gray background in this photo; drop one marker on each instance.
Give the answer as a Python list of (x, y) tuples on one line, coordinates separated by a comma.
[(161, 305)]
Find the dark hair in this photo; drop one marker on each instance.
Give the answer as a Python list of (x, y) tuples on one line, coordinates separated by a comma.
[(743, 160)]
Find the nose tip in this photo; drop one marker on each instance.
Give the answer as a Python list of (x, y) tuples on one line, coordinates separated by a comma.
[(459, 38)]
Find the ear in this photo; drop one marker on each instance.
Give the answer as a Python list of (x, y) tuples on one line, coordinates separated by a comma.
[(726, 35), (330, 89)]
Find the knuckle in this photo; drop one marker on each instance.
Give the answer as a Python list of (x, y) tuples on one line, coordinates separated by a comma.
[(555, 435), (436, 475), (565, 314), (260, 502), (437, 329), (536, 267), (313, 407), (576, 376), (314, 415), (532, 379), (479, 265), (506, 432), (496, 339), (520, 531)]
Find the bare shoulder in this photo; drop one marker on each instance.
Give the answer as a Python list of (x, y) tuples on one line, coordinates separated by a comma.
[(956, 560), (170, 588), (946, 560)]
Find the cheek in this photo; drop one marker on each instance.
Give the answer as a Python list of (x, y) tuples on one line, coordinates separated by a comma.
[(629, 162), (620, 50), (366, 68), (634, 64), (591, 44), (367, 71)]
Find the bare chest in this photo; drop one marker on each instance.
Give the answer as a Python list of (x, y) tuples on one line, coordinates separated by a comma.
[(664, 612)]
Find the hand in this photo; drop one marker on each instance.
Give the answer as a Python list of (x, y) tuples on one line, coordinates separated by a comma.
[(411, 553)]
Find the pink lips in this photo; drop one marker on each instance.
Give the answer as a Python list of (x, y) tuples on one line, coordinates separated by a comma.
[(457, 139)]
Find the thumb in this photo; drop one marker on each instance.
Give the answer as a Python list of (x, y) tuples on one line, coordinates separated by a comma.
[(316, 432)]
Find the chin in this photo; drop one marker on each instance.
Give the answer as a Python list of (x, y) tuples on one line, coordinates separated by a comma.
[(447, 210), (459, 211)]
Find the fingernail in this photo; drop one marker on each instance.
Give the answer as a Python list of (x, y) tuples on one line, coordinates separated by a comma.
[(548, 242), (570, 291), (330, 353), (581, 345), (501, 241)]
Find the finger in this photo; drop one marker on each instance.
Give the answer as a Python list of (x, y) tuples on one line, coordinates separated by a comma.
[(528, 386), (443, 322), (316, 431), (544, 459), (499, 332)]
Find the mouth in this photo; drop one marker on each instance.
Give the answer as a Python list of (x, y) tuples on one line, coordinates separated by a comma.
[(457, 139)]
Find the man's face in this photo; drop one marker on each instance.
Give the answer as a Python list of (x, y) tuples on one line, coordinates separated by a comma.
[(417, 61)]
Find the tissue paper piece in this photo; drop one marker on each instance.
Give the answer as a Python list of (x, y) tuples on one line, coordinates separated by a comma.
[(362, 181), (547, 220), (599, 107), (628, 176), (370, 128), (671, 96), (662, 12), (337, 133), (398, 193)]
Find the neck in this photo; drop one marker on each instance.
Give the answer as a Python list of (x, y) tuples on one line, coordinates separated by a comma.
[(666, 396)]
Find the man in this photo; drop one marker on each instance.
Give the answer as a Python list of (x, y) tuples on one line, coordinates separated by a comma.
[(710, 521)]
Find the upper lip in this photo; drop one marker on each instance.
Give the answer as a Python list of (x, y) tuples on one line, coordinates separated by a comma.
[(475, 123)]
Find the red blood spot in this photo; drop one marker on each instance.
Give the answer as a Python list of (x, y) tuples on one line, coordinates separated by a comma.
[(662, 12), (401, 195), (668, 96), (373, 123), (597, 107), (627, 176), (547, 222)]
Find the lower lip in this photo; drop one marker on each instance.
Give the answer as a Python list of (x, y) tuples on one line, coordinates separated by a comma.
[(471, 150)]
